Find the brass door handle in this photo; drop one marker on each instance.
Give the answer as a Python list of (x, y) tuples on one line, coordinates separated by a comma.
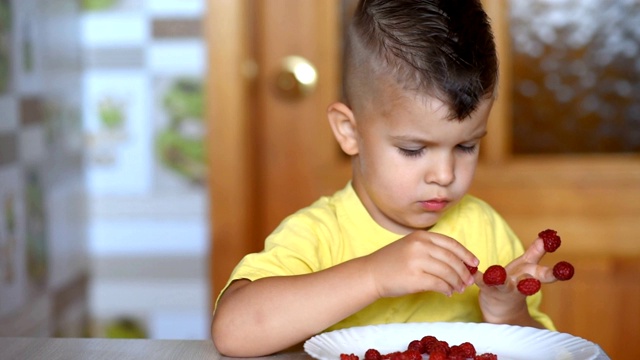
[(297, 77)]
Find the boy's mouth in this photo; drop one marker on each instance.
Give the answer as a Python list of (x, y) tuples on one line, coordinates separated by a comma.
[(434, 204)]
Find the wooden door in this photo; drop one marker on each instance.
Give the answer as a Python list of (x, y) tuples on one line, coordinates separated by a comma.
[(270, 156)]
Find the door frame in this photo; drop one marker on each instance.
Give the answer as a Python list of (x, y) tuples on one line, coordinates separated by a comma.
[(230, 179), (245, 119)]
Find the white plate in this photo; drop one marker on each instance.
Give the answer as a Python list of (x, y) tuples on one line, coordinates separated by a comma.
[(506, 341)]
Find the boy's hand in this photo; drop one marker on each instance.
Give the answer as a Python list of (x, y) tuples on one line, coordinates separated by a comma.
[(421, 261), (504, 303)]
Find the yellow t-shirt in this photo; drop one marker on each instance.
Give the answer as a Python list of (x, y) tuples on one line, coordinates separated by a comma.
[(338, 228)]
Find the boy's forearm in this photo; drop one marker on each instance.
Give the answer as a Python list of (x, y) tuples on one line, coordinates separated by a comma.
[(271, 314)]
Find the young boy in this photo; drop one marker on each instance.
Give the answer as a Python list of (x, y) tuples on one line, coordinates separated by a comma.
[(420, 79)]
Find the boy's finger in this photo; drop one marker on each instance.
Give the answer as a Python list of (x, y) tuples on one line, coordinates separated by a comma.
[(535, 252), (540, 272), (545, 275), (479, 280), (456, 247)]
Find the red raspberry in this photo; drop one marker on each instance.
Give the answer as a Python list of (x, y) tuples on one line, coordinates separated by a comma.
[(348, 357), (372, 354), (529, 286), (437, 346), (551, 240), (428, 339), (416, 345), (442, 345), (468, 349), (486, 356), (391, 355), (495, 275), (427, 343), (563, 271), (456, 356), (438, 355), (472, 269), (411, 355), (457, 353)]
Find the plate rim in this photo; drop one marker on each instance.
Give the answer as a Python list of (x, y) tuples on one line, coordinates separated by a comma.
[(595, 352)]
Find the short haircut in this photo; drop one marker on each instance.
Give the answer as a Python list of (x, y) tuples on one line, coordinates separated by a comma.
[(443, 48)]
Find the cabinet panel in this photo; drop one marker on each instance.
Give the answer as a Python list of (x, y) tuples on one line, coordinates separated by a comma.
[(601, 303)]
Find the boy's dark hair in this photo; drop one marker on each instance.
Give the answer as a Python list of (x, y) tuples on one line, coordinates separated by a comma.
[(442, 47)]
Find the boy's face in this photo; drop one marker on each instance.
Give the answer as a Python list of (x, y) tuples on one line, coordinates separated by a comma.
[(412, 162)]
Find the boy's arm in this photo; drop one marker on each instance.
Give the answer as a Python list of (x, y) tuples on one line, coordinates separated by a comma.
[(271, 314), (267, 315)]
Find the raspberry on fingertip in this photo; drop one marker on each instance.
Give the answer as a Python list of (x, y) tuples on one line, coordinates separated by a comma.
[(529, 286), (495, 275), (551, 240), (563, 271)]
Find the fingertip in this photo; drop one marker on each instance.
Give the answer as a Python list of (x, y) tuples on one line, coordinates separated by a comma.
[(548, 277), (475, 261), (470, 280), (535, 252)]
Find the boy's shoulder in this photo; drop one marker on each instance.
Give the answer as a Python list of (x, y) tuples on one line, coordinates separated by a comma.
[(339, 215), (472, 203), (328, 219), (327, 209)]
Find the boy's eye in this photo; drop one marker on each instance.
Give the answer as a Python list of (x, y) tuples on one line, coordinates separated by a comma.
[(411, 152), (470, 149)]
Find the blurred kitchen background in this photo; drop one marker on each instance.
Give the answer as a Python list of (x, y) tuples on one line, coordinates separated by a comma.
[(105, 229), (118, 219)]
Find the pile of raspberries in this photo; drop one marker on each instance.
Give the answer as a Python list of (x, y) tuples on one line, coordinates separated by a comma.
[(563, 270), (429, 345)]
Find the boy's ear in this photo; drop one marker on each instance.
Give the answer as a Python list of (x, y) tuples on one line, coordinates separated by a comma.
[(343, 125)]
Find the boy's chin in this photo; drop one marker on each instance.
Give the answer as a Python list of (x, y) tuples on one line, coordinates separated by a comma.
[(421, 223)]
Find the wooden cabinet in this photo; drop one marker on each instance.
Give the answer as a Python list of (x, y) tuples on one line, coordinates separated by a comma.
[(601, 303), (593, 201)]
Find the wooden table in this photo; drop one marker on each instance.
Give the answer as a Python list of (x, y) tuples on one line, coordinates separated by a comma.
[(116, 349)]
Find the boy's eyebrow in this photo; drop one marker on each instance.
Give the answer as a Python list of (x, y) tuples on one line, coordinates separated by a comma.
[(414, 138), (408, 138), (480, 135)]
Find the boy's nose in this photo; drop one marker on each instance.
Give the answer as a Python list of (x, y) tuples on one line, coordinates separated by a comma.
[(441, 170)]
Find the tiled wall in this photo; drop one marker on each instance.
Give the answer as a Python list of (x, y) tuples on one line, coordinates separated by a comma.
[(144, 67), (43, 257), (148, 231)]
